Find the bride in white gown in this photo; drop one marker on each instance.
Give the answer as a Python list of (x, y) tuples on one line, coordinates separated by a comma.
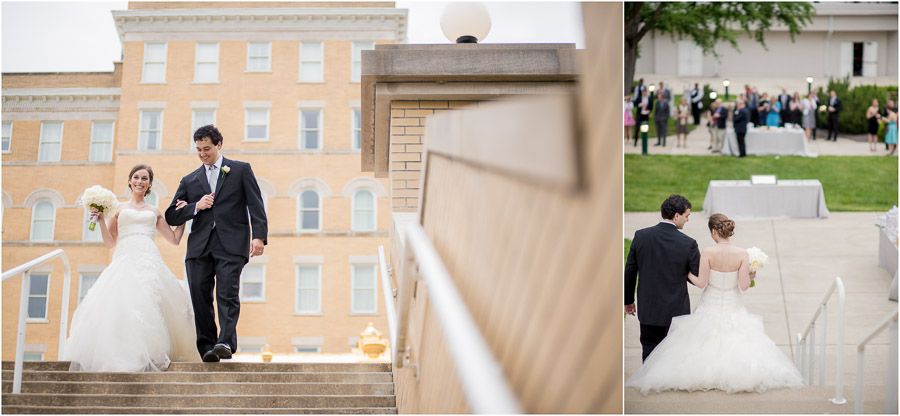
[(137, 316), (721, 346)]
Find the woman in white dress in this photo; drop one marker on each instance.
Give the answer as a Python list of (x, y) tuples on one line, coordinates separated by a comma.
[(137, 316), (721, 346)]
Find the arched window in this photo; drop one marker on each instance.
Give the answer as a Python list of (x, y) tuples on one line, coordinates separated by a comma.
[(309, 216), (43, 217), (364, 210)]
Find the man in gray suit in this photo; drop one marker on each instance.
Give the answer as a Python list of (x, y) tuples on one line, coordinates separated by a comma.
[(661, 114)]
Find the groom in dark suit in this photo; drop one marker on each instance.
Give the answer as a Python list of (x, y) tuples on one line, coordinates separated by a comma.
[(220, 195), (664, 256)]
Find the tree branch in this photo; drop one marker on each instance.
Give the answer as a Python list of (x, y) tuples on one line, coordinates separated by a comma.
[(650, 23)]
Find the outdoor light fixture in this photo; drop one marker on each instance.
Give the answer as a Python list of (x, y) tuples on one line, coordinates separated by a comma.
[(465, 22), (713, 95), (652, 87), (809, 81), (726, 83)]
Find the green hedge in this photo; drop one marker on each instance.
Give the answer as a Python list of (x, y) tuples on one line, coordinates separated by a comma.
[(856, 101)]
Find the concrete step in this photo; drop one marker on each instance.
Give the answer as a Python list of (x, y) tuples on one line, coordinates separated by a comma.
[(194, 410), (204, 377), (189, 401), (786, 401), (170, 388), (226, 366)]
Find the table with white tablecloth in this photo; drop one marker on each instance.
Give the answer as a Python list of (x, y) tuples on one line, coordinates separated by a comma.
[(759, 142), (740, 200), (888, 253)]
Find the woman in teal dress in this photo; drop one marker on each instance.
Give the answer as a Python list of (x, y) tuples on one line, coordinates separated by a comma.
[(772, 118), (890, 136)]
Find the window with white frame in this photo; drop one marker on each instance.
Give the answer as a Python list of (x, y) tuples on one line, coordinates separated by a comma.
[(38, 296), (307, 348), (86, 233), (253, 282), (102, 141), (310, 129), (150, 135), (358, 47), (85, 283), (33, 356), (356, 138), (259, 56), (309, 289), (7, 136), (364, 211), (154, 63), (50, 146), (206, 62), (200, 118), (43, 218), (309, 214), (311, 62), (256, 124), (250, 348), (363, 289)]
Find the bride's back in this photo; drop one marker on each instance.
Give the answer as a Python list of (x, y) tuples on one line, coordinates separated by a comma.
[(726, 257)]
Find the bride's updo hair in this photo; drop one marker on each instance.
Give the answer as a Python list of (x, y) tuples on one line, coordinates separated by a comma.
[(723, 226), (141, 166)]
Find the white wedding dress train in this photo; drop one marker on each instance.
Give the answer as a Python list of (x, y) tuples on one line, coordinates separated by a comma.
[(721, 346), (138, 315)]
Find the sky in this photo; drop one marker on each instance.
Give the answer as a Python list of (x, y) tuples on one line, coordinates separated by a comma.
[(76, 36)]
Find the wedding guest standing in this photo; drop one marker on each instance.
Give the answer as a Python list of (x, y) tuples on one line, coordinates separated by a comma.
[(753, 105), (696, 103), (645, 104), (629, 118), (773, 114), (741, 118), (834, 109), (796, 114), (884, 114), (763, 109), (661, 115), (709, 123), (873, 117), (809, 115), (815, 94), (785, 100), (720, 117), (681, 123), (890, 136)]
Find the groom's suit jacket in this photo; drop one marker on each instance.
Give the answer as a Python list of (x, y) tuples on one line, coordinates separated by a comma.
[(237, 194), (664, 256)]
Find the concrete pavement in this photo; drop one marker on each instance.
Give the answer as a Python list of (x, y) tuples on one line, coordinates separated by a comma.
[(805, 256)]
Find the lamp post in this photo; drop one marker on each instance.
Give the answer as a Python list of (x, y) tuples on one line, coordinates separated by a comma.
[(713, 95), (809, 81), (652, 88), (644, 129), (726, 83), (465, 22)]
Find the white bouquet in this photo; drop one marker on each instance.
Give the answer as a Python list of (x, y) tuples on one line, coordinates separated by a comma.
[(98, 197), (758, 260)]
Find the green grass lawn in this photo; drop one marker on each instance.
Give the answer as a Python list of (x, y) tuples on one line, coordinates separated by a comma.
[(851, 183), (627, 247)]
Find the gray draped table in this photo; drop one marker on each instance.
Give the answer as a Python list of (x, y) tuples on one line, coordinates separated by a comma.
[(785, 142), (887, 259), (788, 199)]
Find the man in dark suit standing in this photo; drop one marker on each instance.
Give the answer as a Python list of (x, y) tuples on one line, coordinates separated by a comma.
[(696, 103), (643, 107), (741, 117), (834, 109), (664, 256), (225, 202), (661, 114), (785, 100)]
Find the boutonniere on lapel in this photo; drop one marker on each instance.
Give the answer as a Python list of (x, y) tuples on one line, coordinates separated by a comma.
[(225, 170)]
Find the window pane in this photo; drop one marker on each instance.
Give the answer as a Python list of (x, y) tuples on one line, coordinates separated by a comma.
[(151, 120), (257, 116), (207, 52), (259, 64), (49, 153), (308, 300), (312, 51), (308, 277), (310, 139), (207, 72), (252, 290), (151, 140), (7, 128), (258, 49), (33, 356), (364, 300), (310, 220), (310, 119), (311, 72), (87, 282), (154, 73), (363, 220), (310, 199), (357, 129), (363, 277), (364, 200), (38, 285), (51, 132), (43, 211), (37, 308), (256, 132), (155, 52)]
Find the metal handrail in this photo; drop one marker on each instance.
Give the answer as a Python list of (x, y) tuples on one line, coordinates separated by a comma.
[(890, 400), (25, 271), (480, 374), (389, 295), (810, 334)]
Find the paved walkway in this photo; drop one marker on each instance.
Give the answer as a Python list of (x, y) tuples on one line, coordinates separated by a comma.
[(805, 257), (698, 141)]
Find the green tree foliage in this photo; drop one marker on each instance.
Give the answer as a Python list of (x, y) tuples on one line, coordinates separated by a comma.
[(707, 23)]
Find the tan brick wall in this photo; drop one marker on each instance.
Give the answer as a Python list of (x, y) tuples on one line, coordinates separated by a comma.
[(147, 5), (407, 131), (111, 79)]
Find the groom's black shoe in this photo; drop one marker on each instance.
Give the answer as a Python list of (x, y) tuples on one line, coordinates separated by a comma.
[(210, 357), (222, 351)]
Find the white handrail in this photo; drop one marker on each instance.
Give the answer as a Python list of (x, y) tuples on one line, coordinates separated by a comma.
[(25, 271), (480, 374), (809, 334), (890, 387), (391, 311)]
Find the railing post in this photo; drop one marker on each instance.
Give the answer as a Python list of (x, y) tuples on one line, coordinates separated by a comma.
[(20, 337), (839, 367), (803, 360), (860, 376), (64, 312), (812, 355), (890, 405), (824, 349)]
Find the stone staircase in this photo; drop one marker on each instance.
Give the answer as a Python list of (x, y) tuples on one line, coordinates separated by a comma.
[(205, 388), (806, 400)]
